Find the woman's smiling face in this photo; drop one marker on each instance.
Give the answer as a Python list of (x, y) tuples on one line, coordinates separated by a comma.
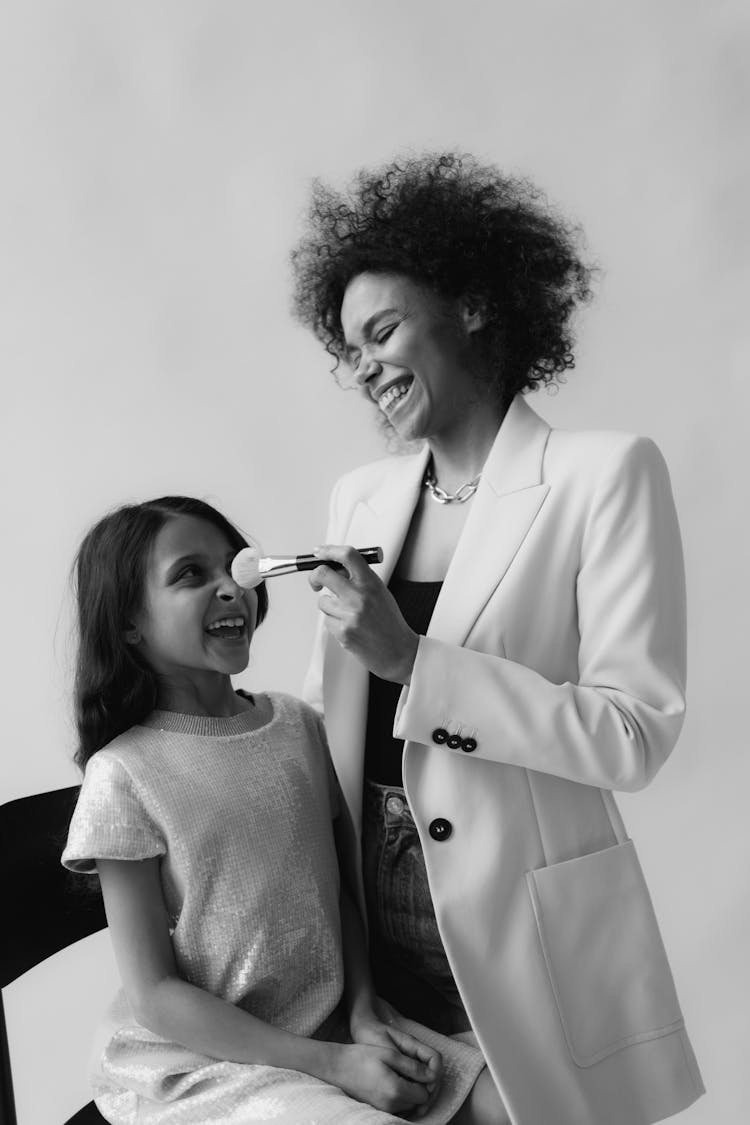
[(195, 618), (410, 350)]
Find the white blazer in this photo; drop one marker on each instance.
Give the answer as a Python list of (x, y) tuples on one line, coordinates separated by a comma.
[(557, 646)]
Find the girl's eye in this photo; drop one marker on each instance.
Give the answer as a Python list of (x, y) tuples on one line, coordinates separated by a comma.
[(189, 572)]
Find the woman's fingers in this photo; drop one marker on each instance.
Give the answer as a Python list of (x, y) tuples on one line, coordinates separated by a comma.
[(349, 557), (345, 555), (347, 577), (362, 614), (325, 578), (342, 584), (331, 606)]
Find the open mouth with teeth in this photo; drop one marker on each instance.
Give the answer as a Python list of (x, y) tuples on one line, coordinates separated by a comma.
[(395, 394), (228, 628)]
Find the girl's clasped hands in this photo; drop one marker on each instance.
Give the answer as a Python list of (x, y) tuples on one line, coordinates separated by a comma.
[(388, 1067)]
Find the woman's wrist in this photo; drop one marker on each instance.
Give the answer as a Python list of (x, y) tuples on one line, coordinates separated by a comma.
[(406, 666)]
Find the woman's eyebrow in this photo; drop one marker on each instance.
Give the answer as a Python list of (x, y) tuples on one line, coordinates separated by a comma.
[(372, 320)]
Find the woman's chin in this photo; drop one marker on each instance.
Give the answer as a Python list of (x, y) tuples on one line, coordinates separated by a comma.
[(405, 426)]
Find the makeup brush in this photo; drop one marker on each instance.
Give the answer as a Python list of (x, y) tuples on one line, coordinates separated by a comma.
[(250, 567)]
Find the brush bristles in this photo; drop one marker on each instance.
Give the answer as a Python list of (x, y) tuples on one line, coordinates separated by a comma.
[(246, 568)]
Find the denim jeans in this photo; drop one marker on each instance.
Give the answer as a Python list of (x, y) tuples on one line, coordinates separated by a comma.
[(409, 965)]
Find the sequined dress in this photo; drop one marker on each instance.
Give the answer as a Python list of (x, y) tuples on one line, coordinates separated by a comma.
[(241, 821)]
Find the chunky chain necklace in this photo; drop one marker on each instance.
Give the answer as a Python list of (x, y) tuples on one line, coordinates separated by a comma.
[(464, 493)]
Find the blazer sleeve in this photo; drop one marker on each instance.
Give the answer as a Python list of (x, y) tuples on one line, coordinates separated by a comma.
[(312, 688), (617, 724)]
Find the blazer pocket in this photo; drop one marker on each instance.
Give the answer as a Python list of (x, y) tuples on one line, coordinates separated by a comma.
[(604, 953)]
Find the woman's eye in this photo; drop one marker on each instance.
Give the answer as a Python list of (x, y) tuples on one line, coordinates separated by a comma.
[(189, 572), (386, 332)]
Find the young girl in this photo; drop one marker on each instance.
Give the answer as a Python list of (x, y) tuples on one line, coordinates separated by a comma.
[(207, 815)]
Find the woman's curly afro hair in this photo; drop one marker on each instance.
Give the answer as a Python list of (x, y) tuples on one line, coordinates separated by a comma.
[(462, 229)]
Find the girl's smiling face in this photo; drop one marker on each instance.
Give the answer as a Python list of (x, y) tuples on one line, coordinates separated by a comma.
[(195, 620), (411, 351)]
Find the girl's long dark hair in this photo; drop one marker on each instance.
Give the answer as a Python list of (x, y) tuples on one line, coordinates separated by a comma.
[(114, 687)]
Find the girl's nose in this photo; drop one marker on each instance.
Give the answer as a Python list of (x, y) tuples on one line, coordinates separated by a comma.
[(229, 591)]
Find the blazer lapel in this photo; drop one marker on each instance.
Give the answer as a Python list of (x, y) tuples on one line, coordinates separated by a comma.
[(386, 515), (506, 503)]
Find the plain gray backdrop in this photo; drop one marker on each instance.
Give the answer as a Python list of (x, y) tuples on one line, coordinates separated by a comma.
[(156, 159)]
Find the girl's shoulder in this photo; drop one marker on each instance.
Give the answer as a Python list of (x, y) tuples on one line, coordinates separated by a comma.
[(133, 761), (122, 750), (289, 708)]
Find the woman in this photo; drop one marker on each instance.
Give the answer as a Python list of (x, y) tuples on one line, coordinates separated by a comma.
[(524, 639)]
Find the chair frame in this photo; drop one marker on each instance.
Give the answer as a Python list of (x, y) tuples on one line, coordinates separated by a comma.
[(49, 907)]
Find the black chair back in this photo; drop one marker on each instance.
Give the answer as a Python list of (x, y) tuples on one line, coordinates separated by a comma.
[(47, 907)]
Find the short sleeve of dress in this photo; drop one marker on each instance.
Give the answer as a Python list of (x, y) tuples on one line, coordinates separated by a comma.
[(110, 820)]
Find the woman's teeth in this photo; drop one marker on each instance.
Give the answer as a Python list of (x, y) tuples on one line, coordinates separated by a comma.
[(393, 394)]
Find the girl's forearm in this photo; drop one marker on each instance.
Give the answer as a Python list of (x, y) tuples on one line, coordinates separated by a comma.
[(204, 1023), (359, 994)]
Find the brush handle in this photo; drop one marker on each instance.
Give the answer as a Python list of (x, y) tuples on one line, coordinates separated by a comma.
[(249, 570), (309, 562)]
